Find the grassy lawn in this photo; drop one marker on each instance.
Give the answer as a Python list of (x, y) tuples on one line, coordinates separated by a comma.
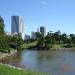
[(5, 70), (57, 46), (27, 45)]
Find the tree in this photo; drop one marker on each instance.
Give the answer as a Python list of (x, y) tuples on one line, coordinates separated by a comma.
[(4, 45), (41, 43), (17, 41), (48, 41), (64, 38), (57, 36), (50, 37), (1, 25), (38, 35), (44, 42), (72, 36)]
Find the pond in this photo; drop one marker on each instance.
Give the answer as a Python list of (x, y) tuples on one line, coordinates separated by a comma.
[(55, 62)]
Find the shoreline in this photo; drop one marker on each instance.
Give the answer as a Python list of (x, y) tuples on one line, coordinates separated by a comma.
[(12, 66), (52, 49), (6, 69), (6, 55), (62, 48)]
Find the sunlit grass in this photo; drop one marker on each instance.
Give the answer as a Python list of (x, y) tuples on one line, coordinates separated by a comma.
[(57, 46), (6, 70), (27, 45)]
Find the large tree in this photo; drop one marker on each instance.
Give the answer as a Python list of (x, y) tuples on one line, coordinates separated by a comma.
[(38, 35), (72, 36), (16, 41), (44, 42), (4, 45), (57, 36), (1, 25)]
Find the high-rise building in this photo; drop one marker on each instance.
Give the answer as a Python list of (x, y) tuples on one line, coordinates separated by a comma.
[(17, 25), (43, 30)]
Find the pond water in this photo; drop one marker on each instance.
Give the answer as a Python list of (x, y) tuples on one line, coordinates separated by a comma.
[(55, 62)]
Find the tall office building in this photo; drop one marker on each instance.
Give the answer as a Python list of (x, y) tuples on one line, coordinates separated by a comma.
[(43, 30), (17, 25)]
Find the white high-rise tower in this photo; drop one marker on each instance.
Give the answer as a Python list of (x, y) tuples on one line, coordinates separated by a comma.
[(43, 30), (17, 25)]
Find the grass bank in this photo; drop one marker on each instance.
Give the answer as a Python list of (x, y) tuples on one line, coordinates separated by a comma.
[(31, 45), (7, 70), (28, 45), (57, 46)]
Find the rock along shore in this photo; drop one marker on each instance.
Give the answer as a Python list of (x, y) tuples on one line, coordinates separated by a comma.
[(6, 55)]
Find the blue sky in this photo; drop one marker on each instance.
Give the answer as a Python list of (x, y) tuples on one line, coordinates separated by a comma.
[(55, 14)]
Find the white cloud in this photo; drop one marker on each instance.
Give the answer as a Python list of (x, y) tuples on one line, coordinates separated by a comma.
[(44, 2)]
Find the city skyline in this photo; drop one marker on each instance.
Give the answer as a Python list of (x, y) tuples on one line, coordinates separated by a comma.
[(55, 14)]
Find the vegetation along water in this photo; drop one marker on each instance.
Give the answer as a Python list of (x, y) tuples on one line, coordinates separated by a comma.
[(53, 54)]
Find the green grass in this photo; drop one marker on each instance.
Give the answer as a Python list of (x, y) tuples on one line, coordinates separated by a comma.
[(5, 70), (57, 46), (27, 45), (54, 46)]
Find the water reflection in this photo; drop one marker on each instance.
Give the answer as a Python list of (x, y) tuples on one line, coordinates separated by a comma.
[(56, 62)]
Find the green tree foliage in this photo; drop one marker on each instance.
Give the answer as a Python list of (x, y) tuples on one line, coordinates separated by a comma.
[(4, 45), (19, 41), (44, 42), (1, 25), (38, 35), (16, 41), (64, 38), (72, 36), (41, 43), (56, 38), (48, 41)]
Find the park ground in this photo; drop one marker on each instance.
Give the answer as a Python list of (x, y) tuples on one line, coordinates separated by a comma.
[(9, 70)]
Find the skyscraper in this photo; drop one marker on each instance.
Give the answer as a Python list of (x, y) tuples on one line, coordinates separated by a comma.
[(43, 30), (17, 25)]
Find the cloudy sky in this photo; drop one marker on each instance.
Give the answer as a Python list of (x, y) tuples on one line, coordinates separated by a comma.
[(55, 14)]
